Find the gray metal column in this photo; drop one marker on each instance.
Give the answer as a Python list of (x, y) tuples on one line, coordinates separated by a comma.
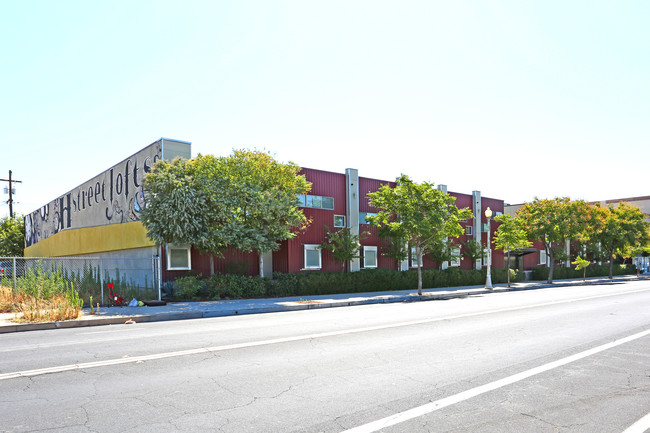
[(352, 208), (478, 227)]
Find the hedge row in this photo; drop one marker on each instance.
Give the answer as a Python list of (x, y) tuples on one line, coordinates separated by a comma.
[(232, 286), (561, 273)]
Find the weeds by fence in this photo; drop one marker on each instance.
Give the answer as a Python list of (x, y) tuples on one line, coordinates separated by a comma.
[(86, 276)]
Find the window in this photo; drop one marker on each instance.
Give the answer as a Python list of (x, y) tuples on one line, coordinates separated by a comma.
[(312, 257), (414, 259), (327, 202), (369, 257), (542, 257), (316, 201), (178, 258), (497, 213), (339, 220), (455, 262), (468, 230), (363, 215), (485, 228)]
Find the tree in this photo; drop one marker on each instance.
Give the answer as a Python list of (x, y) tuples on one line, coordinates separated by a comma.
[(442, 251), (510, 236), (395, 247), (473, 250), (247, 201), (343, 245), (417, 213), (581, 264), (12, 236), (621, 228), (554, 222)]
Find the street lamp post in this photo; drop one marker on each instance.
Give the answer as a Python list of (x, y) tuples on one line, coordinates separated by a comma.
[(488, 277)]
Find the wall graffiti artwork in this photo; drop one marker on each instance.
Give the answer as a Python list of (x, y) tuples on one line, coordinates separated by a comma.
[(113, 197)]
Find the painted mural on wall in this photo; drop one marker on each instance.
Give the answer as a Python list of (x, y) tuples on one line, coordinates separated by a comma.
[(115, 196)]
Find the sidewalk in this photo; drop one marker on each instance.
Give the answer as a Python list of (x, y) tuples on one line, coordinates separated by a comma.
[(197, 310)]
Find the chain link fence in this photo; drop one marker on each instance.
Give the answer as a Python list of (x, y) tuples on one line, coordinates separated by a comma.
[(109, 281)]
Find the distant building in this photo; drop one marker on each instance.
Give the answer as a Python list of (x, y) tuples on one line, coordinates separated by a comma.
[(527, 259)]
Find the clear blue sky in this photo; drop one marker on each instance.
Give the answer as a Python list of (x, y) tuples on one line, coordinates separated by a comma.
[(514, 98)]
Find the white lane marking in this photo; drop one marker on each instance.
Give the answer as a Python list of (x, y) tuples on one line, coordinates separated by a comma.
[(134, 359), (470, 393), (640, 426)]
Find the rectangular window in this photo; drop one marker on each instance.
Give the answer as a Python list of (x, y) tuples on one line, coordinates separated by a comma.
[(312, 257), (178, 258), (369, 257), (339, 220), (414, 259), (363, 215), (316, 201), (542, 257), (327, 203), (455, 262), (468, 230), (485, 227)]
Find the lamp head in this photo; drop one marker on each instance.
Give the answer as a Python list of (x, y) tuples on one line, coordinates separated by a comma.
[(488, 212)]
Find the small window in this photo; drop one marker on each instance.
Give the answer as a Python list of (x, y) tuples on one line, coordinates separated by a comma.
[(312, 257), (178, 258), (497, 213), (314, 201), (414, 259), (468, 230), (327, 203), (363, 215), (339, 220), (369, 257), (542, 257)]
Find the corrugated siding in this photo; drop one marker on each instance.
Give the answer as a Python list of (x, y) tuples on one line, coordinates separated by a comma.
[(233, 262), (290, 256)]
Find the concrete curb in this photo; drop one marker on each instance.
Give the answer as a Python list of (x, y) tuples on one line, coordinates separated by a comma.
[(290, 306)]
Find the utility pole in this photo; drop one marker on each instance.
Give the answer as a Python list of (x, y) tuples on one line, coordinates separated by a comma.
[(11, 197)]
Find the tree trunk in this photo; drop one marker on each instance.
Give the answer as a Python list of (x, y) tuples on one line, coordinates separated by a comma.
[(611, 266), (508, 268), (419, 256), (550, 270), (261, 261)]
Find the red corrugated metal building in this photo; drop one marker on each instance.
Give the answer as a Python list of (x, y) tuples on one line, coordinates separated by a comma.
[(339, 200)]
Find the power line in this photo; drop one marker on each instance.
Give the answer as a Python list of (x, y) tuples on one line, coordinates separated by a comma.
[(11, 198)]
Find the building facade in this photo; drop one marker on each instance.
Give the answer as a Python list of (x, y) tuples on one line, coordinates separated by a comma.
[(101, 218)]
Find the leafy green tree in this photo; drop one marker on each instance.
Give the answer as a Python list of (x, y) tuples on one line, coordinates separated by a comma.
[(581, 264), (621, 228), (343, 245), (510, 236), (473, 250), (394, 246), (442, 251), (418, 213), (12, 236), (247, 201), (554, 222)]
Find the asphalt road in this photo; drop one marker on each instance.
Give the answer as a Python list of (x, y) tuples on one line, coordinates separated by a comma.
[(565, 359)]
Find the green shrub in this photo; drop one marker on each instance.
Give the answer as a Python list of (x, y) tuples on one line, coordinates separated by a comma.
[(233, 286), (561, 273), (187, 287)]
